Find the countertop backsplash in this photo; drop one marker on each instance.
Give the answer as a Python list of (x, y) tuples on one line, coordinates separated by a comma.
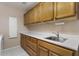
[(69, 27)]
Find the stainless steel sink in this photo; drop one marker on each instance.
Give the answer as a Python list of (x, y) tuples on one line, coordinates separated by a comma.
[(60, 39)]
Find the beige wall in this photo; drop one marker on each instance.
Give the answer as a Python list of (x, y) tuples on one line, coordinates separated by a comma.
[(5, 12), (69, 27)]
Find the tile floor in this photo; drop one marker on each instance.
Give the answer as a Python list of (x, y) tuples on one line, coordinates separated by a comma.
[(14, 51)]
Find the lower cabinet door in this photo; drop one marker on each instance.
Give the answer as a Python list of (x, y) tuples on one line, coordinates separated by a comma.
[(52, 53), (30, 51), (22, 41), (43, 51)]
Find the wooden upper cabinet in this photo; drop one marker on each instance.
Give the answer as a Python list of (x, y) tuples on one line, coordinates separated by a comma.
[(64, 9), (47, 11), (29, 17), (32, 16), (37, 13), (26, 19)]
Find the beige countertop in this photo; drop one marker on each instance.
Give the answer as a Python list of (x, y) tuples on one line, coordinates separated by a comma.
[(72, 41)]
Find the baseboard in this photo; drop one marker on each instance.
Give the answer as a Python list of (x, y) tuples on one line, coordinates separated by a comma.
[(11, 47)]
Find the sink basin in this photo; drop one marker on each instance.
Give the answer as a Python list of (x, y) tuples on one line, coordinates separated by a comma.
[(60, 39)]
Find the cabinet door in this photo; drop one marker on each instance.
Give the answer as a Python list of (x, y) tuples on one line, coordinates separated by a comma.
[(47, 11), (65, 9), (37, 13), (30, 51), (32, 43), (26, 19), (52, 53), (32, 16), (43, 51), (23, 41)]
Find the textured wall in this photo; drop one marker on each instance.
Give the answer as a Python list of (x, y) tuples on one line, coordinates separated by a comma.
[(71, 26), (5, 12)]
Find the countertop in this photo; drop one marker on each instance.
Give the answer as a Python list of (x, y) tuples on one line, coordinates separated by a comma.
[(72, 41)]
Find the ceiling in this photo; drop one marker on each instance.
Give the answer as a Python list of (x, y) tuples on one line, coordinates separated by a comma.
[(23, 5)]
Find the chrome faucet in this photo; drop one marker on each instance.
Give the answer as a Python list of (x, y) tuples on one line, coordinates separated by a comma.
[(57, 34)]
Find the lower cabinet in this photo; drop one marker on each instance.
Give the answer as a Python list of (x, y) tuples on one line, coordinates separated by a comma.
[(29, 44), (59, 50), (30, 51), (42, 51), (52, 53), (37, 47)]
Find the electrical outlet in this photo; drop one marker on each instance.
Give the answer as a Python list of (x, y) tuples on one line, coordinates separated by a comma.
[(60, 23)]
